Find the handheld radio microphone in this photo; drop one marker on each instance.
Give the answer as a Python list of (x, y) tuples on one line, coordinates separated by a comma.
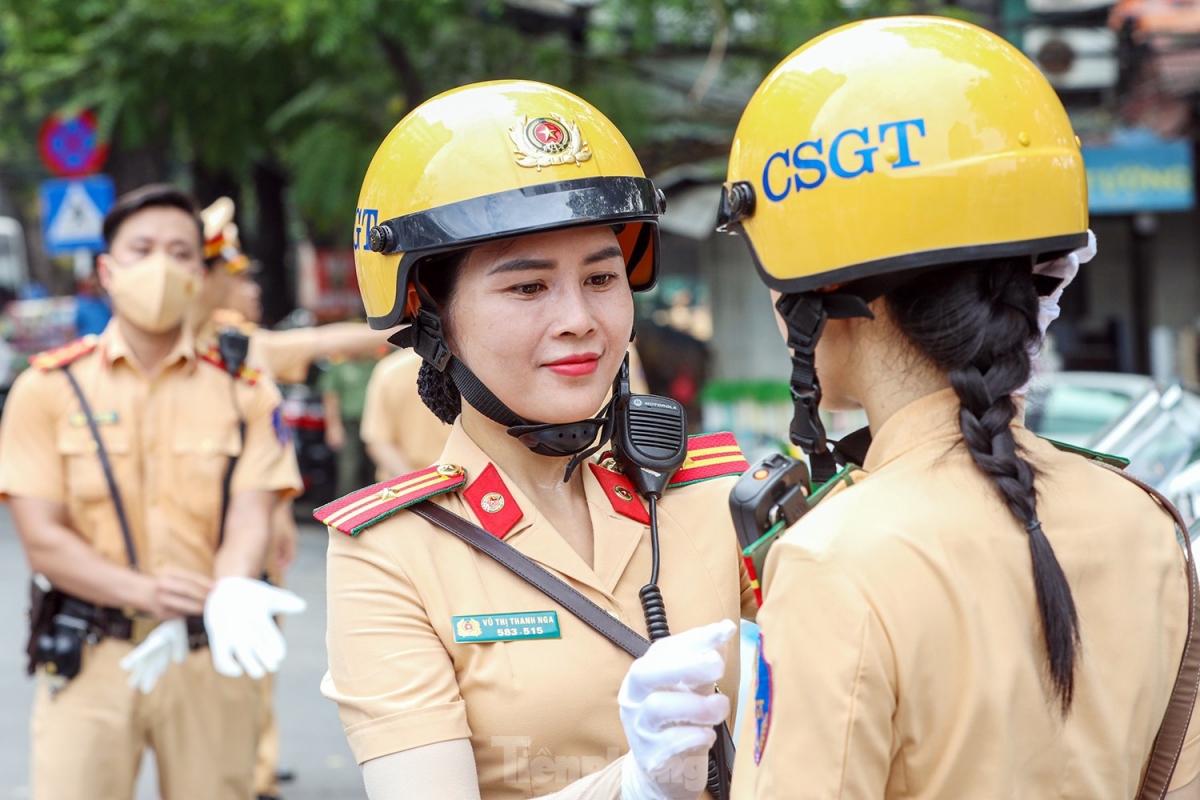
[(650, 443)]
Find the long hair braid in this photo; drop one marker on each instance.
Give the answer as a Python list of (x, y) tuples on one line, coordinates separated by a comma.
[(977, 322)]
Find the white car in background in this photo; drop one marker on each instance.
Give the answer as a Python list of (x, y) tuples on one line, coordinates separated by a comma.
[(1157, 428)]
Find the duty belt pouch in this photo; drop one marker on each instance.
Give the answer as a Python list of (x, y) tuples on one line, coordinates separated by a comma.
[(44, 605), (620, 634)]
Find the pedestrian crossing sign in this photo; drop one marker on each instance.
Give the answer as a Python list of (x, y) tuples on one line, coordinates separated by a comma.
[(73, 213)]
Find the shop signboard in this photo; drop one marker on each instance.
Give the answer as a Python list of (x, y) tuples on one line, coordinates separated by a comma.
[(1138, 172)]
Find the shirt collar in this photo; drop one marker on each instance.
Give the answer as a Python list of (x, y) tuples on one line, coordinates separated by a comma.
[(932, 417), (462, 451), (115, 347)]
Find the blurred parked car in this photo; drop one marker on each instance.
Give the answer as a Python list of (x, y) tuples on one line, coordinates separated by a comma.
[(1156, 428)]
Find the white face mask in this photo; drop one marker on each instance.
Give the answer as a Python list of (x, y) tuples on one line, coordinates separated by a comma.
[(154, 293)]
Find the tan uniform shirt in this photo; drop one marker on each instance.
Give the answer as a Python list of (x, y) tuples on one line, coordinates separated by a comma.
[(169, 437), (395, 414), (904, 645), (539, 712)]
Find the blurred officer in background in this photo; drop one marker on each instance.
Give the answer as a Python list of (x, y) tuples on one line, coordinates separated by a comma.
[(141, 475), (232, 301), (972, 612), (343, 387), (399, 431)]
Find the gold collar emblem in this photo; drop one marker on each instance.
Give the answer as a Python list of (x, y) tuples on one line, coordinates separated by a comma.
[(548, 142)]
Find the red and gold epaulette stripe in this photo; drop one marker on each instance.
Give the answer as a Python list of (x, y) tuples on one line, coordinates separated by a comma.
[(61, 356), (710, 455), (361, 509), (213, 356)]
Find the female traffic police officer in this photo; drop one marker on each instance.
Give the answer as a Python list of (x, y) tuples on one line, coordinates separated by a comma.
[(509, 222), (973, 613)]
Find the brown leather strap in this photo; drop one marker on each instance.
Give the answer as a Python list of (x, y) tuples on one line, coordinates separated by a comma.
[(1169, 742), (533, 573)]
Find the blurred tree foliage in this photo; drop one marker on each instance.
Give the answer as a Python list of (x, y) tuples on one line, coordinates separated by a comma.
[(227, 94)]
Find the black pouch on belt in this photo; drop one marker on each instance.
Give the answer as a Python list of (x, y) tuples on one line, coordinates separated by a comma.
[(60, 648), (44, 604)]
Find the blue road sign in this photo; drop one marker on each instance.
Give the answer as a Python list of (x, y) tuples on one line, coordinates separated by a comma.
[(73, 212)]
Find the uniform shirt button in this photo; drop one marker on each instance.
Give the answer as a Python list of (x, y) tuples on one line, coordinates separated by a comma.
[(613, 614)]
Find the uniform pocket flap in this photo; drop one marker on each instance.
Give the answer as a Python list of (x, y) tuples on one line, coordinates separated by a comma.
[(207, 443), (79, 441)]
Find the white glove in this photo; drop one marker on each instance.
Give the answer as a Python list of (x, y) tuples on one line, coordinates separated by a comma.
[(668, 709), (149, 660), (242, 635)]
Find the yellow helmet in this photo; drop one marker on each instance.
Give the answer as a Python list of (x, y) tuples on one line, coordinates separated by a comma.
[(897, 143), (491, 161)]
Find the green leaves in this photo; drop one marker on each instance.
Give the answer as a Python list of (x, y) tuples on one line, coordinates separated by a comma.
[(316, 84)]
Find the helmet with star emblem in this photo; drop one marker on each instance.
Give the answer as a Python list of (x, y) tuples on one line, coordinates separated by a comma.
[(492, 161)]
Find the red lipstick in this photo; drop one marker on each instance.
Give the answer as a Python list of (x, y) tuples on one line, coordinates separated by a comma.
[(577, 365)]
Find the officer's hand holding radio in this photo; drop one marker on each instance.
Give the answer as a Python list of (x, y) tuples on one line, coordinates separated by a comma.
[(149, 660), (668, 709), (242, 635)]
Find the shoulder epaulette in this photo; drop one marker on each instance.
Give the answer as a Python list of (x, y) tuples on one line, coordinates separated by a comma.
[(62, 356), (362, 509), (710, 455), (212, 355), (1103, 458)]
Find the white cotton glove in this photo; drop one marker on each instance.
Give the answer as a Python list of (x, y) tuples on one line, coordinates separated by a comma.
[(149, 660), (668, 709), (242, 635)]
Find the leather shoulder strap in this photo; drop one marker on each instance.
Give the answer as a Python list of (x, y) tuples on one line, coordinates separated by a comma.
[(508, 556), (721, 755), (111, 479), (1168, 744)]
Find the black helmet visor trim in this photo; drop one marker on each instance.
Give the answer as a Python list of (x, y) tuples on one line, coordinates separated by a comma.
[(1041, 249), (516, 212)]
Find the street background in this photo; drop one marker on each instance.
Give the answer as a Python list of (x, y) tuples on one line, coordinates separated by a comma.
[(313, 744)]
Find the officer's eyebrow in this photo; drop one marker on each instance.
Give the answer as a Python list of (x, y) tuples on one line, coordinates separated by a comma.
[(604, 255), (521, 264)]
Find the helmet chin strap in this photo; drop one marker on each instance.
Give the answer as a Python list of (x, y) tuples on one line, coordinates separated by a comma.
[(805, 314), (576, 440)]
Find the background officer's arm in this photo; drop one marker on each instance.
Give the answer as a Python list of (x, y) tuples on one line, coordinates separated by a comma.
[(288, 354), (266, 472), (74, 567), (389, 458), (381, 412), (247, 531)]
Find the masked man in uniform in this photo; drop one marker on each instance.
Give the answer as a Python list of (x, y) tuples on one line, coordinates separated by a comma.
[(141, 474)]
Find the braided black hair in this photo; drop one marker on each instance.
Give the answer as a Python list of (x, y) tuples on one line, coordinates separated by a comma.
[(977, 322)]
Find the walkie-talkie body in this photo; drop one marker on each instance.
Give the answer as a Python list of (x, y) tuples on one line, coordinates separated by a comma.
[(768, 499)]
